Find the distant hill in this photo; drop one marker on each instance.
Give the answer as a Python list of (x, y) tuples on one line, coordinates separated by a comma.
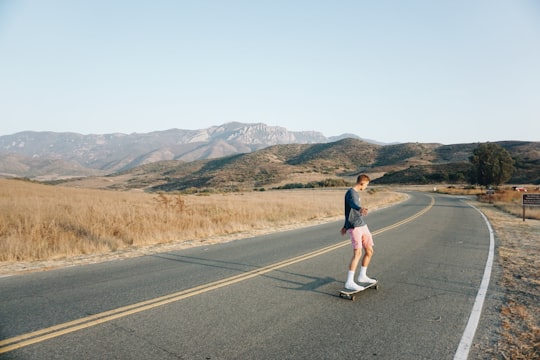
[(297, 164), (239, 156), (29, 154)]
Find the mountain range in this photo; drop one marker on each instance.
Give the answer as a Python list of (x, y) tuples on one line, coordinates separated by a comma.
[(239, 156), (58, 155)]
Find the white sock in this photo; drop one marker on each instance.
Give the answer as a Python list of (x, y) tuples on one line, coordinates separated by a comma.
[(363, 272), (350, 284), (363, 278), (350, 277)]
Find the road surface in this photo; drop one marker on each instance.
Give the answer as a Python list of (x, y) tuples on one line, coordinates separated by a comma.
[(267, 297)]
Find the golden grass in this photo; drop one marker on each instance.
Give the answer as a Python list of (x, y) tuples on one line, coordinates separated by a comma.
[(511, 202), (40, 222), (505, 198)]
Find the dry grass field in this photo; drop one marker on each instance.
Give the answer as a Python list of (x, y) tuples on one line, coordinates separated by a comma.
[(505, 199), (511, 202), (40, 222)]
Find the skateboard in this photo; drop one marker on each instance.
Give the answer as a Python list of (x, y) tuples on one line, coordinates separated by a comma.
[(351, 294)]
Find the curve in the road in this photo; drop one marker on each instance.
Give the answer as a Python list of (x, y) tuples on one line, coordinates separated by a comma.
[(17, 342), (462, 352)]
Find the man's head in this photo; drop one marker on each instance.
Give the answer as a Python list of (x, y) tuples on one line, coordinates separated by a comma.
[(362, 182)]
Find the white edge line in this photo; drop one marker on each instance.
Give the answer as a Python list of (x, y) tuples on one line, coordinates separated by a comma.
[(462, 352)]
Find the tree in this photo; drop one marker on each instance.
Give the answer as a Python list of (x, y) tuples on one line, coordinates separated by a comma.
[(492, 165)]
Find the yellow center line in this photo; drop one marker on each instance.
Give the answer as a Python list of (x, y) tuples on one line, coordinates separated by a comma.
[(88, 321)]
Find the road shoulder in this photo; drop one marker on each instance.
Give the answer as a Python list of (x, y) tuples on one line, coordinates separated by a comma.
[(509, 326)]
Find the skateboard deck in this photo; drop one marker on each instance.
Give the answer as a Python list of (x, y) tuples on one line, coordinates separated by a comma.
[(351, 294)]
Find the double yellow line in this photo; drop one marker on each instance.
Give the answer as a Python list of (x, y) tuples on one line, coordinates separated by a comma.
[(89, 321)]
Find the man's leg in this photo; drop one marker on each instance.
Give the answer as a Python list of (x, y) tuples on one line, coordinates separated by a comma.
[(367, 244), (350, 284), (362, 277), (368, 253)]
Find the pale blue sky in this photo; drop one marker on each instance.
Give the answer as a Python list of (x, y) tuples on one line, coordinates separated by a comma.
[(453, 71)]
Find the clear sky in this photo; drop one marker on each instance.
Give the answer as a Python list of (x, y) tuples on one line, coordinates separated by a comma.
[(446, 71)]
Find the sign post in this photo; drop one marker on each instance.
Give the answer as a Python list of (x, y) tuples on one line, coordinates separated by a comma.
[(529, 200)]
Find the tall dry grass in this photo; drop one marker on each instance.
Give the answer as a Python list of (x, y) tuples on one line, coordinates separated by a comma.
[(40, 222), (510, 201), (505, 199)]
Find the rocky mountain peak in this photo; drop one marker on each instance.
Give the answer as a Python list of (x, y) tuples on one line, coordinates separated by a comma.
[(107, 153)]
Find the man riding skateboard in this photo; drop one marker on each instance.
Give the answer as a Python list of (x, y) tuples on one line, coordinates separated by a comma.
[(359, 232)]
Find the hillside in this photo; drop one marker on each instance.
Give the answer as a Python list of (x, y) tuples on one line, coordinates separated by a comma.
[(278, 165), (238, 156), (29, 154)]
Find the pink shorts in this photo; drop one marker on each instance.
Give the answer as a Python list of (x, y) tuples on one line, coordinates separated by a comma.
[(361, 235)]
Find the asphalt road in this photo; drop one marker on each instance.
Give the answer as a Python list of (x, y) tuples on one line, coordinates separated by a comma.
[(268, 297)]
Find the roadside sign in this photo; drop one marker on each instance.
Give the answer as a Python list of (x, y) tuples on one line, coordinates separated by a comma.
[(531, 200)]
